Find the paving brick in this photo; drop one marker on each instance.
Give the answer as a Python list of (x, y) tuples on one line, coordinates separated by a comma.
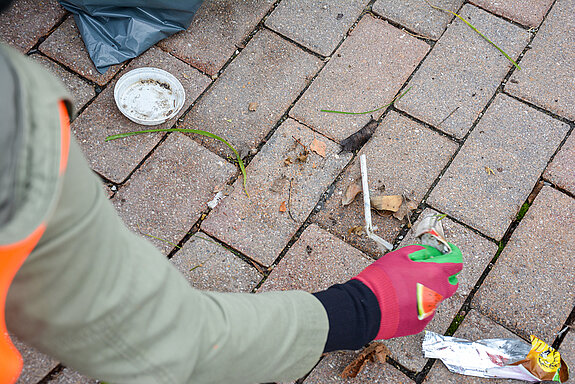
[(167, 195), (560, 171), (315, 262), (367, 72), (403, 157), (547, 75), (65, 45), (318, 25), (477, 253), (116, 159), (208, 265), (417, 16), (474, 327), (26, 21), (529, 13), (218, 29), (567, 349), (407, 350), (531, 289), (330, 367), (255, 225), (498, 166), (463, 72), (69, 376), (36, 364), (270, 72), (80, 90)]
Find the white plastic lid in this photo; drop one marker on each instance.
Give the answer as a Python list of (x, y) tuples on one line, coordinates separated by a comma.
[(149, 96)]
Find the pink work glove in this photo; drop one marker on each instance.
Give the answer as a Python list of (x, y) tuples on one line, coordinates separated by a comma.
[(395, 279)]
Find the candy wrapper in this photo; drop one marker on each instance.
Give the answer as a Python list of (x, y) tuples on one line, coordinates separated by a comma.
[(429, 231), (498, 358)]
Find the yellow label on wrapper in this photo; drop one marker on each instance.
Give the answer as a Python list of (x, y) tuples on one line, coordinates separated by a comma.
[(546, 357), (545, 362)]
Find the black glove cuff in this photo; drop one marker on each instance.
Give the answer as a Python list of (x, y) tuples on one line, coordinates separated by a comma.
[(353, 313)]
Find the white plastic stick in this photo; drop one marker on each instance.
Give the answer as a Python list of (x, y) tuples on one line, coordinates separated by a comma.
[(384, 245)]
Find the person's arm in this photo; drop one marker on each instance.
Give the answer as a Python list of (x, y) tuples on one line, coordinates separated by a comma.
[(105, 302)]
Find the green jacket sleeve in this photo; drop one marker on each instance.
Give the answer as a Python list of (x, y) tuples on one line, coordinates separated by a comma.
[(105, 302)]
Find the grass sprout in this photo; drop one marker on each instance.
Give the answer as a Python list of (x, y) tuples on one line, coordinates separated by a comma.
[(196, 131), (476, 30), (159, 238), (373, 110)]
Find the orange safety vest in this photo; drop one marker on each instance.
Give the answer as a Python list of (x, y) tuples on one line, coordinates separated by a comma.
[(12, 256)]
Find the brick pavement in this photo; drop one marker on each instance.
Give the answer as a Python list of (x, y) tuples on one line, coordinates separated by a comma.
[(472, 139)]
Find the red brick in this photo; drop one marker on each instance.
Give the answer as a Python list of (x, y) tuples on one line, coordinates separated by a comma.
[(315, 262), (218, 29), (167, 195), (366, 72), (531, 288), (255, 225), (26, 21)]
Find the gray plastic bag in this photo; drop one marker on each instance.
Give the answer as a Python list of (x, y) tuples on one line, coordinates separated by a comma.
[(115, 31)]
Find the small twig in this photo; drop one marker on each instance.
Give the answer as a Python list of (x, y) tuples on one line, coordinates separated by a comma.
[(448, 116), (413, 34), (289, 201), (476, 30), (300, 143)]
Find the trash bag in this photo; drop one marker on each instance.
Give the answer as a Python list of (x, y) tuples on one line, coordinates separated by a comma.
[(115, 31)]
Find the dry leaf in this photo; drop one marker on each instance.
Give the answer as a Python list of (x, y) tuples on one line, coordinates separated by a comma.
[(350, 193), (376, 352), (252, 107), (302, 158), (283, 206), (405, 209), (287, 161), (355, 230), (386, 203), (358, 139), (318, 147)]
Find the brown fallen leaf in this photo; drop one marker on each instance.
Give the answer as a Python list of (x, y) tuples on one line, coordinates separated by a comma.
[(283, 207), (407, 206), (287, 161), (359, 138), (350, 193), (386, 203), (302, 158), (252, 107), (318, 147), (375, 352), (355, 230)]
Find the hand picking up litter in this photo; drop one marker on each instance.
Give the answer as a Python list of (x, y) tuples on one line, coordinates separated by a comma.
[(395, 296)]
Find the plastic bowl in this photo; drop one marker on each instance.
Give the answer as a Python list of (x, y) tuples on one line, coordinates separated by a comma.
[(149, 96)]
